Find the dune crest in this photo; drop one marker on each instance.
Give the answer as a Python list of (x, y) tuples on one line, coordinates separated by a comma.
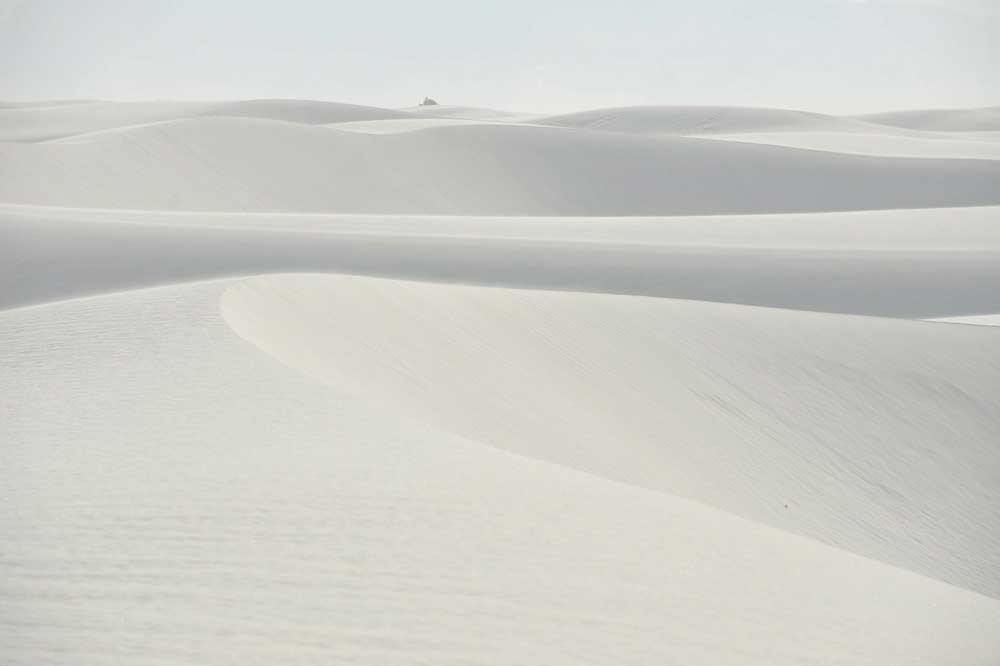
[(849, 426), (918, 264), (284, 520)]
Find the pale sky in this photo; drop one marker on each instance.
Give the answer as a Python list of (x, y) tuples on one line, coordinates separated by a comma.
[(838, 56)]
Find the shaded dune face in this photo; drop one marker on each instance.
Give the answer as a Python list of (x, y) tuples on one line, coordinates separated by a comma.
[(697, 387), (253, 164), (902, 263)]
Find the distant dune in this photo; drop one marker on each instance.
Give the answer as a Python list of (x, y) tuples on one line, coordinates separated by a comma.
[(225, 163), (968, 120), (468, 113), (699, 120), (55, 121), (952, 145)]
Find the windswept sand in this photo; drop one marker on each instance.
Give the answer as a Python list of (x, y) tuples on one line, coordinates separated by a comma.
[(177, 493), (268, 157), (918, 264), (975, 120), (304, 382), (698, 386)]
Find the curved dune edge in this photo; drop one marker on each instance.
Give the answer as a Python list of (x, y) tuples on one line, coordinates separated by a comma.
[(924, 263), (874, 435), (33, 123), (941, 146), (986, 119), (974, 320), (283, 520), (709, 120)]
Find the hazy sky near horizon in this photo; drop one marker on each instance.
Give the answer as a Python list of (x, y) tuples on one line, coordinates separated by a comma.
[(838, 56)]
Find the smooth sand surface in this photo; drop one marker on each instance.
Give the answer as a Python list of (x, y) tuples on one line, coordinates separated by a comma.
[(985, 119), (940, 144), (546, 375), (175, 494), (253, 164), (920, 264), (686, 120), (56, 121), (977, 320), (305, 382)]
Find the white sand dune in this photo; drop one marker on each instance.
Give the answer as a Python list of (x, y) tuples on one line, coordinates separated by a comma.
[(253, 164), (397, 125), (977, 320), (937, 145), (955, 135), (469, 113), (56, 121), (926, 263), (986, 119), (302, 382), (42, 123), (41, 104), (179, 496), (301, 111), (855, 141), (854, 460), (693, 120)]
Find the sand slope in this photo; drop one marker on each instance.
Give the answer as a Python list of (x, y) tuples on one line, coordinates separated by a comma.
[(254, 164), (55, 121), (469, 113), (976, 320), (836, 427), (688, 120), (956, 145), (927, 263), (986, 119), (178, 496)]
